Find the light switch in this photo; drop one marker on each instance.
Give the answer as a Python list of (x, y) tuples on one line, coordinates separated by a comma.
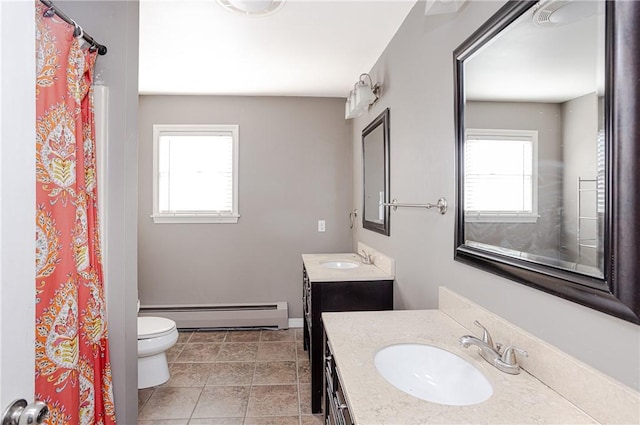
[(320, 225)]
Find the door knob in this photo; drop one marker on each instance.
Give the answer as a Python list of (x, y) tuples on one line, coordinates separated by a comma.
[(21, 413)]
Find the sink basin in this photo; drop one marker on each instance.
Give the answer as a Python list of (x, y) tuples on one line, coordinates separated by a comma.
[(339, 264), (432, 374)]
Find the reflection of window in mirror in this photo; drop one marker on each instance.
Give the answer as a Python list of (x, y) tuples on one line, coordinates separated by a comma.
[(500, 172)]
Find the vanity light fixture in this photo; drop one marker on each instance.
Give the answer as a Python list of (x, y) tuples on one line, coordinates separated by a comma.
[(252, 7), (364, 94), (439, 7)]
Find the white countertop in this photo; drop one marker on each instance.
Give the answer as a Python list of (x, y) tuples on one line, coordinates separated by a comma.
[(355, 337), (318, 273)]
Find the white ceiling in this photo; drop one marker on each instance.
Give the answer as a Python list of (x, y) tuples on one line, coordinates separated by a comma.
[(540, 63), (307, 48)]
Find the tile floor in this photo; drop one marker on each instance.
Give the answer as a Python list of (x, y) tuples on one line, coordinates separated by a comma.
[(252, 377)]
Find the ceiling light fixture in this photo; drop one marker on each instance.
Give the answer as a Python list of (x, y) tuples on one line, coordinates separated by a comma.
[(551, 13), (361, 97), (252, 7)]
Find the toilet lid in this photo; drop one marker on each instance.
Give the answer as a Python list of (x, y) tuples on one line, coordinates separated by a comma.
[(153, 326)]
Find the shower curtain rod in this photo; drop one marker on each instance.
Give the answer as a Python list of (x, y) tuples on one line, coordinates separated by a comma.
[(102, 49)]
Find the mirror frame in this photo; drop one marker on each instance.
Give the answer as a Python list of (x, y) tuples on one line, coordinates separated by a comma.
[(618, 292), (384, 227)]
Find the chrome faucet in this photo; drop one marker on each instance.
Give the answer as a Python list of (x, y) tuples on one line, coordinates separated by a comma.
[(505, 361), (364, 257)]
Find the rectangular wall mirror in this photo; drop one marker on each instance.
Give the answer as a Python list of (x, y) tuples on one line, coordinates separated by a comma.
[(375, 175), (546, 96)]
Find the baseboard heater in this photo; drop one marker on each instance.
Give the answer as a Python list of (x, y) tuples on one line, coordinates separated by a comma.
[(268, 315)]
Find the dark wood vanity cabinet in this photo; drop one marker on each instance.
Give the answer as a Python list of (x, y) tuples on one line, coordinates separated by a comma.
[(319, 297), (336, 409)]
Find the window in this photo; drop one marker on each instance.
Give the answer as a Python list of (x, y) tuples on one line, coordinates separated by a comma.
[(195, 174), (500, 171)]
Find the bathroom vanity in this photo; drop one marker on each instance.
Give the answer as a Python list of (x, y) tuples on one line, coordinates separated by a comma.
[(331, 283), (553, 387)]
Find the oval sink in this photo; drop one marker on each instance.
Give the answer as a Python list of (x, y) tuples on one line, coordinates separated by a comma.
[(341, 264), (432, 374)]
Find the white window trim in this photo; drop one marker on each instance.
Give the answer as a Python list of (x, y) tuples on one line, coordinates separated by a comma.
[(195, 216), (502, 216)]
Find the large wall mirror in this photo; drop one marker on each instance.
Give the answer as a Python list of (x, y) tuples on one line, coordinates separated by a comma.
[(547, 142), (375, 174)]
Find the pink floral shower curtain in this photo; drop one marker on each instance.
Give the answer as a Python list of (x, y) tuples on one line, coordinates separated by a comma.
[(73, 373)]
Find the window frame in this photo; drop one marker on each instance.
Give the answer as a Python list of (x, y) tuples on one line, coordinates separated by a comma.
[(195, 216), (505, 216)]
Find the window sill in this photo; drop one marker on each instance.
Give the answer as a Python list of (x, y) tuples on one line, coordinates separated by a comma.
[(501, 218), (195, 218)]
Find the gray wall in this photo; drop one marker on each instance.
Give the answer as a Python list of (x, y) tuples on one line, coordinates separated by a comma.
[(115, 24), (543, 236), (295, 169), (580, 135), (416, 73)]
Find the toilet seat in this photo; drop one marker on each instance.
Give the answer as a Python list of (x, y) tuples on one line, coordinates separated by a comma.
[(155, 327)]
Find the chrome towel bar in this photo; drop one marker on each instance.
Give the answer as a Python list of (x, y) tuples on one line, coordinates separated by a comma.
[(441, 205)]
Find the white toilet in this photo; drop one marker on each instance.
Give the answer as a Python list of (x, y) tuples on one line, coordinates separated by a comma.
[(155, 336)]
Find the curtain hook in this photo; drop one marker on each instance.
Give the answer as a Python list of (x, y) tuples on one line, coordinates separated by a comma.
[(49, 12), (78, 32)]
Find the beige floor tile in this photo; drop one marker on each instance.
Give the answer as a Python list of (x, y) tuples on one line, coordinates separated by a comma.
[(217, 421), (276, 351), (173, 352), (143, 397), (271, 400), (238, 352), (275, 373), (311, 420), (243, 336), (277, 358), (208, 336), (273, 420), (304, 371), (188, 375), (170, 403), (199, 352), (234, 373), (223, 402), (305, 399), (300, 349), (183, 336), (282, 335)]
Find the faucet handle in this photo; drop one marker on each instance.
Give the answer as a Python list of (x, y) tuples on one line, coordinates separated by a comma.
[(366, 258), (486, 336), (509, 355)]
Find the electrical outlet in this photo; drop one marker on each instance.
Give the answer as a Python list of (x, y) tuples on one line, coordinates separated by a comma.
[(321, 226)]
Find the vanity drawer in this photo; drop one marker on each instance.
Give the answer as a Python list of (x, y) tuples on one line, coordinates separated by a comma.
[(337, 412), (336, 408), (341, 404), (330, 417), (306, 311), (329, 367)]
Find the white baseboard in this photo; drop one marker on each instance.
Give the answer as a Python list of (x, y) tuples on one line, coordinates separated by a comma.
[(222, 315), (296, 323)]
